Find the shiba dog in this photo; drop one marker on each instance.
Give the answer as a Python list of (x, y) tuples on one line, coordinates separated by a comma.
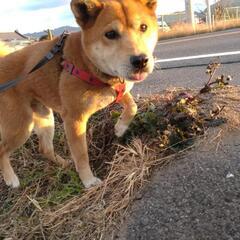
[(115, 44)]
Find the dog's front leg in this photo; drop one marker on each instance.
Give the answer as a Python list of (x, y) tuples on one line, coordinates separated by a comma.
[(76, 134), (129, 111), (79, 108)]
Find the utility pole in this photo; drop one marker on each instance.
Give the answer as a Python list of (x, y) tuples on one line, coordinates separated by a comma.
[(209, 15), (50, 36), (190, 16)]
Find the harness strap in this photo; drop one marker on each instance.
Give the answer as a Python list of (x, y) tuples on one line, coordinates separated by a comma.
[(58, 47), (120, 90), (92, 80), (10, 84), (49, 56)]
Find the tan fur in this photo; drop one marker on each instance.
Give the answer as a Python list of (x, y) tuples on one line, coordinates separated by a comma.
[(28, 105)]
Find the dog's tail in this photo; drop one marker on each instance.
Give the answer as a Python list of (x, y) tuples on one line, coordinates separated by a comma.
[(5, 50)]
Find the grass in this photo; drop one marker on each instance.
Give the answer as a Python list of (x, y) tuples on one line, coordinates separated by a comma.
[(51, 203), (183, 29)]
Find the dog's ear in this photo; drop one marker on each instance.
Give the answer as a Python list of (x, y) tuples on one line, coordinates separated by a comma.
[(86, 11), (152, 4)]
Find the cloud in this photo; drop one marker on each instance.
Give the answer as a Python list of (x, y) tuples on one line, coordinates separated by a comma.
[(38, 15), (37, 5), (170, 6), (12, 18)]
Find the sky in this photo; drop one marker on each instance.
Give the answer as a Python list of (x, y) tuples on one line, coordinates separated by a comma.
[(29, 16)]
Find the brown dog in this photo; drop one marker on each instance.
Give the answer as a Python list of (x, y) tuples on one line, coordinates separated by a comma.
[(116, 42)]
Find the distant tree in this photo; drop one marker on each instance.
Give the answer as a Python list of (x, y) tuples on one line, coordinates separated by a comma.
[(49, 36), (218, 11), (44, 37)]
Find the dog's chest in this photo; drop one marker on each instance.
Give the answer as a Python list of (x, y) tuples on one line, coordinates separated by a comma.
[(129, 86)]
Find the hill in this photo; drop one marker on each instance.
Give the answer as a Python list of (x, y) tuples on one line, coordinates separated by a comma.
[(56, 32)]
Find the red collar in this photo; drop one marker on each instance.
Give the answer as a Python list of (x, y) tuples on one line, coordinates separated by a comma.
[(90, 79)]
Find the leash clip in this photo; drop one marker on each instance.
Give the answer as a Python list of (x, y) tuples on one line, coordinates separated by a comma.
[(49, 55)]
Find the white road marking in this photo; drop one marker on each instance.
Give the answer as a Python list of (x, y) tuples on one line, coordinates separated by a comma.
[(198, 57), (197, 38)]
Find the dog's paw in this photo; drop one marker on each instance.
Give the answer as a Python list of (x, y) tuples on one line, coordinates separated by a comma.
[(92, 182), (120, 129), (11, 180)]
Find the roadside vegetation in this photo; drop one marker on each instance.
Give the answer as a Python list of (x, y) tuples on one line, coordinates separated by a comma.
[(183, 29), (52, 204)]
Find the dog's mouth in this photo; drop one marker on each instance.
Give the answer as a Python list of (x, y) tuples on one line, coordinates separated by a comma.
[(138, 76), (133, 76)]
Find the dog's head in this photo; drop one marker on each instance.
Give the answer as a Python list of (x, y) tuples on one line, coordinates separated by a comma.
[(118, 36)]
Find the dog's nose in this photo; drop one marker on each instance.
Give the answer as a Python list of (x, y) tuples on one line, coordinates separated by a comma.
[(139, 62)]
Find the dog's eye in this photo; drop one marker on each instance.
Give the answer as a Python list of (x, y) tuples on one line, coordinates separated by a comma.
[(112, 35), (143, 28)]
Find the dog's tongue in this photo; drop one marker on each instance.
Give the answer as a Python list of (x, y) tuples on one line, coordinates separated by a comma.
[(139, 76)]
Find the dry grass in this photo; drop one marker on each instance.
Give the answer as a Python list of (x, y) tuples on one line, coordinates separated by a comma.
[(183, 29), (51, 204), (4, 49)]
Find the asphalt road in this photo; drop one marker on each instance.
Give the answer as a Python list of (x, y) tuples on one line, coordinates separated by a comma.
[(196, 197), (174, 74)]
